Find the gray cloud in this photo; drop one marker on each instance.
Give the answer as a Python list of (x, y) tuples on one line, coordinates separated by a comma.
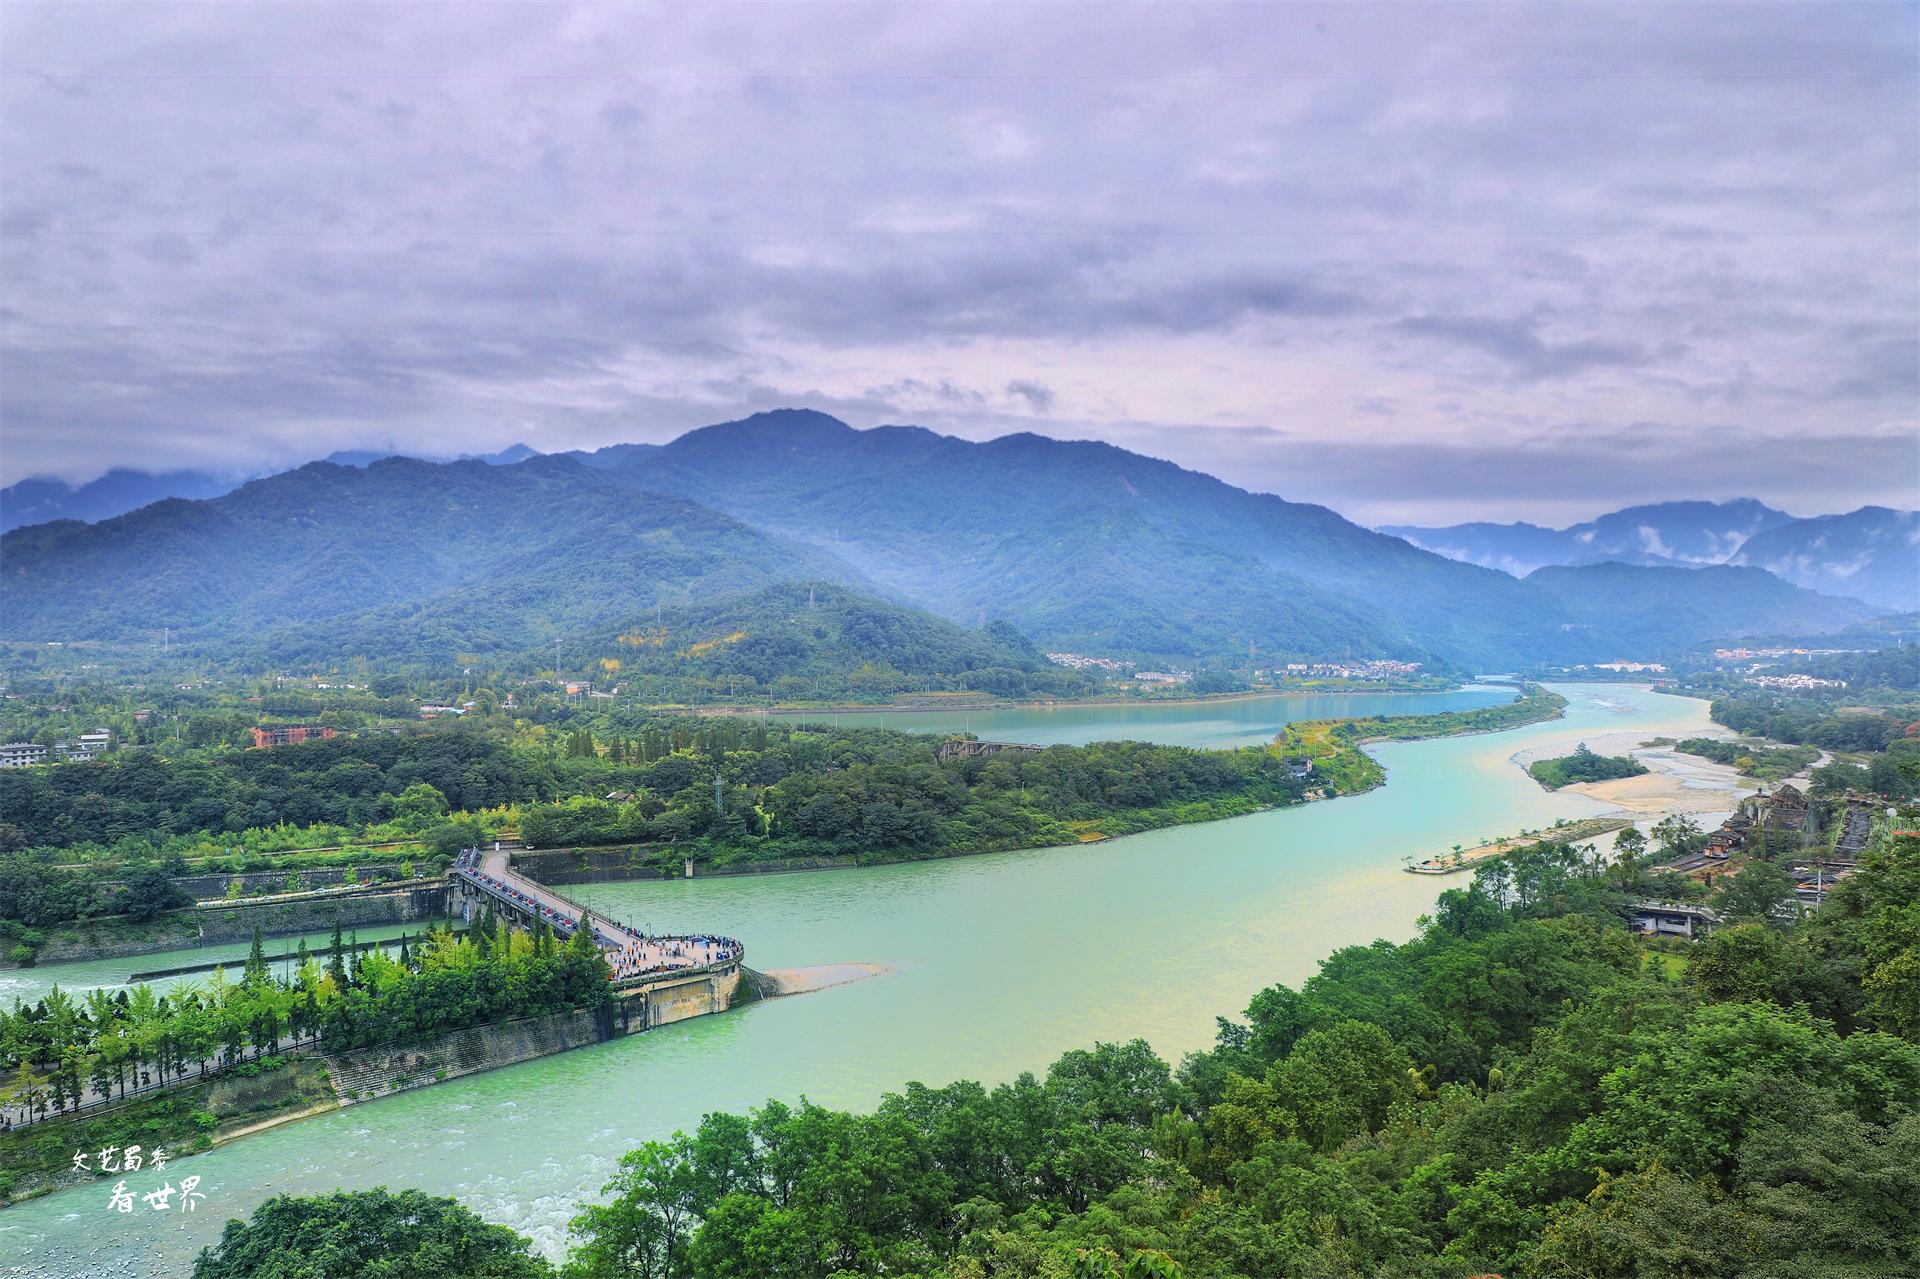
[(1475, 235), (1038, 395)]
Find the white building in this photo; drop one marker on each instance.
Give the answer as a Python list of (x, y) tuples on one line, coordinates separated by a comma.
[(22, 754)]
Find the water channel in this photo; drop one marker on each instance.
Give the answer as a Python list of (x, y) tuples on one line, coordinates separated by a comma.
[(996, 965)]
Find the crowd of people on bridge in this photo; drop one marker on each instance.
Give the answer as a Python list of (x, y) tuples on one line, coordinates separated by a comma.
[(629, 955)]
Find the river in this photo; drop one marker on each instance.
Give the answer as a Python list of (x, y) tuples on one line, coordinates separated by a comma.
[(996, 965)]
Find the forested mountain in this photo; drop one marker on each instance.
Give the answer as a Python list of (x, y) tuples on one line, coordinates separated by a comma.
[(1872, 554), (1087, 545), (1651, 611), (403, 558), (1668, 534), (820, 641), (1078, 545), (38, 500)]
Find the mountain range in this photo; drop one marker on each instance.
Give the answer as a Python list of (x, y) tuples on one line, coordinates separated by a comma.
[(40, 499), (1871, 554), (1080, 546)]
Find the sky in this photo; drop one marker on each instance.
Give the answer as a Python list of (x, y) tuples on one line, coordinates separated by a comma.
[(1420, 262)]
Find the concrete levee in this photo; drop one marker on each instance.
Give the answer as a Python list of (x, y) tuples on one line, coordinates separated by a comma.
[(217, 924)]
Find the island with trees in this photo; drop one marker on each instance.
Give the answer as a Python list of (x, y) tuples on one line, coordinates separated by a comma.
[(1583, 765)]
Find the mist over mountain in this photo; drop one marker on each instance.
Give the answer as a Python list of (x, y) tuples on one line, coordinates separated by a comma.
[(1080, 546), (40, 499), (1872, 554), (1657, 612), (1663, 533), (1088, 546)]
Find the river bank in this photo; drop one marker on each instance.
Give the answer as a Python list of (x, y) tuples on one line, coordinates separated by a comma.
[(1676, 782), (957, 707)]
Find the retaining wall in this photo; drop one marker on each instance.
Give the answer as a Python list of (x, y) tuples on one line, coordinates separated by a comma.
[(225, 922), (363, 1074)]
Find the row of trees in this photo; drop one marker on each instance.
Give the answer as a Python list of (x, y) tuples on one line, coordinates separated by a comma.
[(61, 1050), (880, 792), (1517, 1090)]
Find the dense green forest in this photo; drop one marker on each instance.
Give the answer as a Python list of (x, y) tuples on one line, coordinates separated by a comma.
[(1768, 763), (1518, 1090), (1813, 722), (1583, 766), (879, 794), (814, 641), (90, 839)]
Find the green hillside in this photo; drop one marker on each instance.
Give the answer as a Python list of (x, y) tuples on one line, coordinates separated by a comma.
[(1088, 545), (1659, 611), (405, 559), (818, 641)]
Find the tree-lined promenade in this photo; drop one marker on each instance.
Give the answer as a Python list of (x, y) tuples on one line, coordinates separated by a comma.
[(62, 1052)]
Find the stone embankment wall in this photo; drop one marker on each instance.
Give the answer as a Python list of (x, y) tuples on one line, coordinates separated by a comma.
[(363, 1074), (254, 883), (560, 866), (209, 887), (669, 1000), (556, 866), (225, 922)]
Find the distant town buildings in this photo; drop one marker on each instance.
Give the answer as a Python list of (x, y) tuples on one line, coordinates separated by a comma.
[(1163, 677), (22, 754), (1796, 682), (1657, 668), (1082, 662), (1375, 670), (435, 712), (288, 735), (1747, 654), (87, 746)]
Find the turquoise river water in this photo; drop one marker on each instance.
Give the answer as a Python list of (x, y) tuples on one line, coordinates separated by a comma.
[(995, 965)]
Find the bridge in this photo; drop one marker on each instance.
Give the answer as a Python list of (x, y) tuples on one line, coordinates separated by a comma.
[(636, 959)]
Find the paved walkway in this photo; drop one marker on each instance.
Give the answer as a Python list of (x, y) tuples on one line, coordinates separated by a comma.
[(629, 952)]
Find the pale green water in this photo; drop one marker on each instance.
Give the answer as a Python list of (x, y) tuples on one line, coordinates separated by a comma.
[(31, 984), (1000, 964), (1210, 724)]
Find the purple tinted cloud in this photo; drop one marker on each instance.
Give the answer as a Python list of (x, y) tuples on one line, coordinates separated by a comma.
[(239, 235)]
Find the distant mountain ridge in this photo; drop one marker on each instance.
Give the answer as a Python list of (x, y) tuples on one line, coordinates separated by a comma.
[(1666, 534), (41, 500), (1659, 611), (401, 557), (1871, 554), (1079, 545)]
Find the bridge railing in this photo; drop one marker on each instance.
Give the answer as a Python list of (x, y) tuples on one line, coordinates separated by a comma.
[(466, 868)]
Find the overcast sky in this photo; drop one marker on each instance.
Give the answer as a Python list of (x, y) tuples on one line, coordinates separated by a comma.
[(1420, 262)]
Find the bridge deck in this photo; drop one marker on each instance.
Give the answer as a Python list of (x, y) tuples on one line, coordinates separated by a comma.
[(629, 952)]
